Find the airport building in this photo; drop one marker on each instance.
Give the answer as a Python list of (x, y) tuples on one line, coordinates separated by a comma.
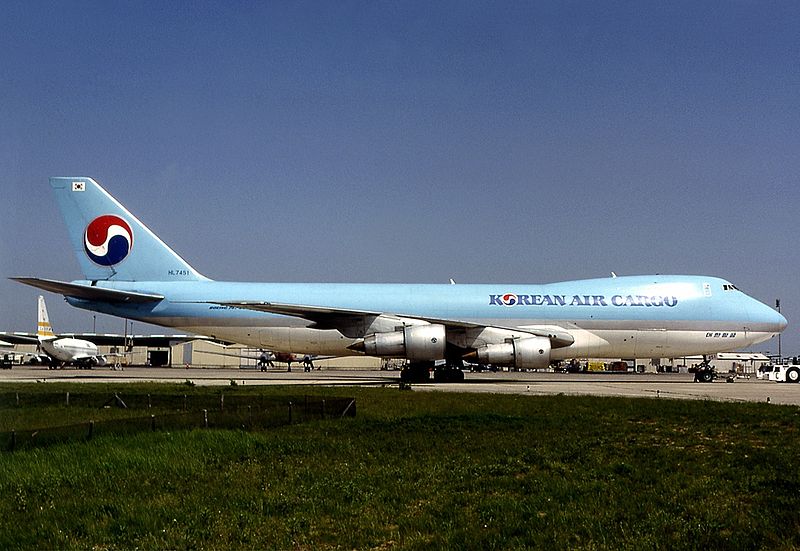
[(159, 351)]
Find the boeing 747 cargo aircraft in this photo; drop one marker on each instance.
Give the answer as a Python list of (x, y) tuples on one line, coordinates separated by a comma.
[(129, 272)]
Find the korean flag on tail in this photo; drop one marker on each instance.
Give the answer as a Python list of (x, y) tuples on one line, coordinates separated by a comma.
[(78, 186)]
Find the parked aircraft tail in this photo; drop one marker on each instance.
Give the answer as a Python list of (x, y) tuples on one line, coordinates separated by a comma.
[(44, 331), (109, 242)]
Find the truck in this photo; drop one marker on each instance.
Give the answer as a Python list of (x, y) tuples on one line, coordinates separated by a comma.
[(781, 372)]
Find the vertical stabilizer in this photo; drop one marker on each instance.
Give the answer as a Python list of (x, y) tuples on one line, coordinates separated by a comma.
[(44, 331), (109, 242)]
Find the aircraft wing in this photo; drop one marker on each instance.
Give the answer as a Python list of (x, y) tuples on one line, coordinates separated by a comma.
[(101, 339), (19, 338), (104, 339), (347, 321), (325, 317)]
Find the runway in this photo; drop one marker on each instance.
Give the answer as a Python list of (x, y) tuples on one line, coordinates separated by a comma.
[(632, 385)]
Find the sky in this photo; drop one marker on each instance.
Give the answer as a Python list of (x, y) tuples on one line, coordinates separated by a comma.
[(525, 142)]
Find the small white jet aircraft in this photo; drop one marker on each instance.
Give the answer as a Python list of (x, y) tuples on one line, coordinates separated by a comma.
[(65, 350), (129, 272)]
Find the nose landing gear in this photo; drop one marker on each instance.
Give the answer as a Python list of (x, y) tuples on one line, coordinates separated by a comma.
[(705, 372)]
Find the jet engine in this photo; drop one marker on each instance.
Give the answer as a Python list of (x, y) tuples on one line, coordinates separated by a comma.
[(415, 342), (525, 353)]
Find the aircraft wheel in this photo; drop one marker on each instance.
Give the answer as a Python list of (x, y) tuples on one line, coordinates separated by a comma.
[(793, 375), (705, 376), (448, 376), (415, 374)]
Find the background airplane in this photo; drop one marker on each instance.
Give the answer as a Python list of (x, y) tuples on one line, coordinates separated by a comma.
[(64, 350), (267, 358), (129, 272), (80, 348)]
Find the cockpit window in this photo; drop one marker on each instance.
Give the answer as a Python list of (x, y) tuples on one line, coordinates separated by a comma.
[(729, 287)]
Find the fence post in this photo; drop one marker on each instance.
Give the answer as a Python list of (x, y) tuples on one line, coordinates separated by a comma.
[(205, 418), (222, 402), (13, 440), (290, 413), (149, 402), (184, 403), (67, 397), (323, 409), (91, 429), (250, 415), (352, 404), (153, 423), (17, 398)]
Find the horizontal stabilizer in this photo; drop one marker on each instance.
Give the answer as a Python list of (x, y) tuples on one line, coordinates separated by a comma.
[(87, 292)]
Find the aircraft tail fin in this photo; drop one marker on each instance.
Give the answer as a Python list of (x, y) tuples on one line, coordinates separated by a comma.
[(44, 331), (109, 242)]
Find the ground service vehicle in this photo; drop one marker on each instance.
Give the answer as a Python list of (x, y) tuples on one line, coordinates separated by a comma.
[(783, 373)]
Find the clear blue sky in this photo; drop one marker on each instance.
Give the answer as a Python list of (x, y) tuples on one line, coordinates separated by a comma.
[(410, 141)]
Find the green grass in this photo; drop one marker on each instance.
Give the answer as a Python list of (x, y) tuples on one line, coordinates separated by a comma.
[(423, 470)]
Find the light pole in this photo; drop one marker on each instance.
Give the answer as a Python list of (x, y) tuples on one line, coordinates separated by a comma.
[(778, 307)]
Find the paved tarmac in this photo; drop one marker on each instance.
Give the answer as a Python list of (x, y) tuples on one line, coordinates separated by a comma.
[(634, 385)]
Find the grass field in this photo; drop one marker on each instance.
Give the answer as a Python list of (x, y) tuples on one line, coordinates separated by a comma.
[(418, 471)]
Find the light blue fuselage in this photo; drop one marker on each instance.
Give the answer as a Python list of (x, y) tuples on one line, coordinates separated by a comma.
[(634, 316)]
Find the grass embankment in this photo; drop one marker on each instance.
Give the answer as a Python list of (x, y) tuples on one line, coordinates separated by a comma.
[(426, 470)]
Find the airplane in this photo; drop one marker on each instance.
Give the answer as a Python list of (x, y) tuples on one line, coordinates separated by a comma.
[(75, 348), (64, 350), (266, 358), (130, 272), (288, 358)]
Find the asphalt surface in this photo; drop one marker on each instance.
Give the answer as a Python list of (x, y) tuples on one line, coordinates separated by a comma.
[(634, 385)]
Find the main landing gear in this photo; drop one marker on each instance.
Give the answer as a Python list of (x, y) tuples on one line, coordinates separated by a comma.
[(420, 372), (450, 373)]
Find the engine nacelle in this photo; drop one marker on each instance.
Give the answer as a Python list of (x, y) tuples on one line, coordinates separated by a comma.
[(527, 353), (415, 342)]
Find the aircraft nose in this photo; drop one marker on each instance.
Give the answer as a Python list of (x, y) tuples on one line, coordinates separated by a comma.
[(782, 322), (771, 317)]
